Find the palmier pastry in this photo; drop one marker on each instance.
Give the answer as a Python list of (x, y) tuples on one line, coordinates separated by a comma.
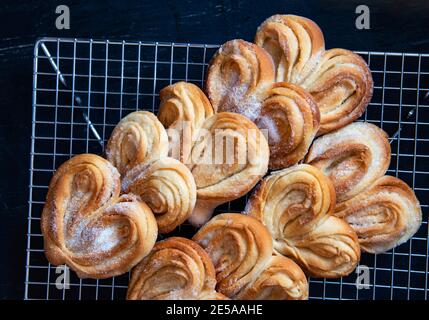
[(229, 157), (183, 110), (352, 157), (384, 215), (168, 188), (296, 205), (138, 138), (240, 79), (176, 269), (241, 249), (339, 80), (87, 226)]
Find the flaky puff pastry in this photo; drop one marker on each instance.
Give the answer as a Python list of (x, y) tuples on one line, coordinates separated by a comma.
[(176, 269), (339, 80), (228, 159), (241, 250), (241, 79), (296, 205), (353, 157), (384, 215), (137, 138), (88, 226), (183, 109), (168, 188)]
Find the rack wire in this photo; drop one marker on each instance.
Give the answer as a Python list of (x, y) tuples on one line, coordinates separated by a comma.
[(82, 88)]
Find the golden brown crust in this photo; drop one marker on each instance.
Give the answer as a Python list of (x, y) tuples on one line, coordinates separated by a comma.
[(137, 138), (87, 226), (291, 118), (176, 269), (282, 279), (331, 250), (296, 205), (228, 159), (183, 110), (352, 157), (293, 42), (384, 215), (342, 85), (241, 250), (168, 188), (339, 80), (238, 74)]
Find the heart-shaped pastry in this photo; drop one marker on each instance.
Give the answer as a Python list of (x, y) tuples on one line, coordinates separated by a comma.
[(139, 147), (384, 215), (296, 205), (176, 269), (241, 249), (228, 158), (88, 226), (339, 80)]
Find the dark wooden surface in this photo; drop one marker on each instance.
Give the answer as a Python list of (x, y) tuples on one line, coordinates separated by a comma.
[(395, 26)]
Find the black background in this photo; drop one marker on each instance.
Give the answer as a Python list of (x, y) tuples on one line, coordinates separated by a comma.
[(399, 25)]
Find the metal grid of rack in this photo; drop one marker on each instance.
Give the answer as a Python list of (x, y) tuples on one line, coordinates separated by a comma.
[(82, 88)]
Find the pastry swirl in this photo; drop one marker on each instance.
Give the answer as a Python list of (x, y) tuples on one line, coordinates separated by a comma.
[(291, 118), (384, 216), (352, 157), (229, 157), (168, 188), (87, 226), (239, 73), (339, 80), (241, 250), (296, 205), (281, 279), (176, 269), (183, 110), (341, 83), (137, 138), (293, 42)]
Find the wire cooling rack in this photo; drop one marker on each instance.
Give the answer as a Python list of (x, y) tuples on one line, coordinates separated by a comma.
[(82, 88)]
